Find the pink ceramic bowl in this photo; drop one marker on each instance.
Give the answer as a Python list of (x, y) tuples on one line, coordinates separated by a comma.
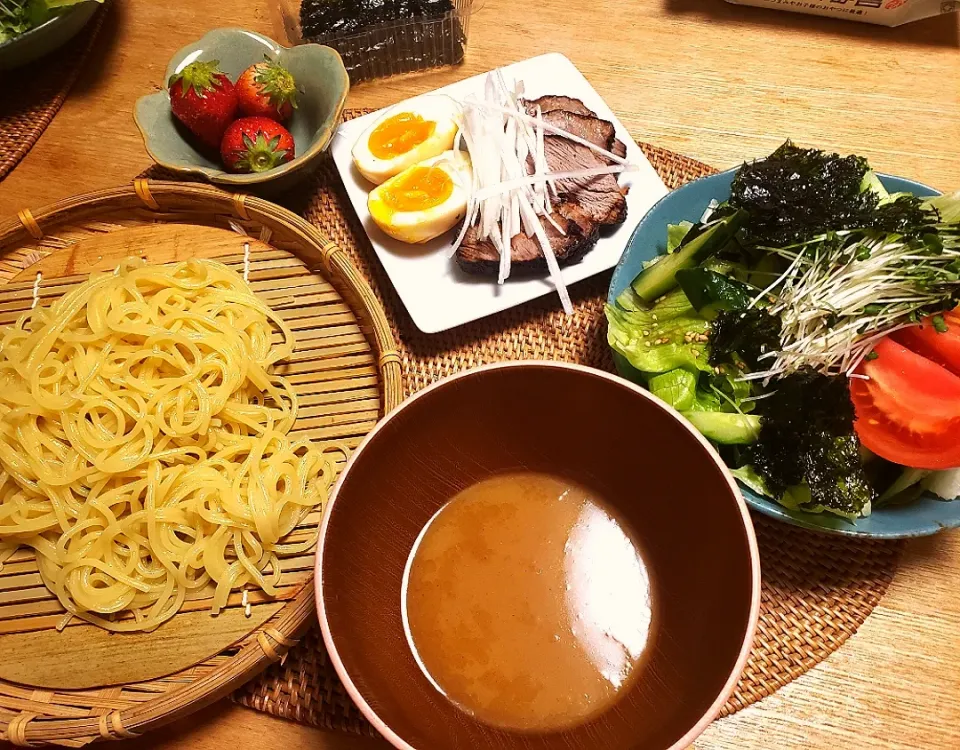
[(663, 478)]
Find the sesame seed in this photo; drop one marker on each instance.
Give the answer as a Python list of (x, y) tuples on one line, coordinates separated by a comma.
[(716, 370), (654, 316), (646, 343), (646, 333), (696, 354)]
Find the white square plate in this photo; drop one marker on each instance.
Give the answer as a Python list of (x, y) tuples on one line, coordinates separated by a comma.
[(436, 293)]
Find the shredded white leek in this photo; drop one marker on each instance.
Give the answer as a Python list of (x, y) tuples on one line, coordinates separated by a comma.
[(512, 184)]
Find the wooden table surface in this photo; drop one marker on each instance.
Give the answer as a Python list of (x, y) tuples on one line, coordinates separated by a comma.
[(717, 82)]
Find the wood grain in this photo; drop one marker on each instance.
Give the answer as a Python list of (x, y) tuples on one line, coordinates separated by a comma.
[(715, 81)]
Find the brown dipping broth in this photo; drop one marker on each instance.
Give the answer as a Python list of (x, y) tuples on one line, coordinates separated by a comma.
[(527, 603)]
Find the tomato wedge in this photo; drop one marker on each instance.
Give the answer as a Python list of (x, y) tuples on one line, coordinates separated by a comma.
[(943, 346), (908, 411)]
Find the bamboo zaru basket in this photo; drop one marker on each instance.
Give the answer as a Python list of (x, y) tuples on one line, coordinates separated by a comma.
[(80, 685)]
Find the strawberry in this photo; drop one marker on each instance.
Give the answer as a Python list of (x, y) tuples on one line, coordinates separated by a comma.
[(256, 144), (204, 100), (267, 89)]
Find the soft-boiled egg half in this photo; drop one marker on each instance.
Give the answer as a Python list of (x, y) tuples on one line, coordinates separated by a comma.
[(425, 200), (405, 135)]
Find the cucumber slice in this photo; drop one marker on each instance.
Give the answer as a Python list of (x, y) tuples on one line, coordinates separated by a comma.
[(724, 427), (654, 280)]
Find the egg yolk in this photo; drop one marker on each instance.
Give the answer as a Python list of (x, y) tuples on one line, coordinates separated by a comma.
[(417, 189), (398, 134)]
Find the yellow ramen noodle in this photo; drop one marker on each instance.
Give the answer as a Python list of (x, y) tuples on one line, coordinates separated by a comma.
[(143, 443)]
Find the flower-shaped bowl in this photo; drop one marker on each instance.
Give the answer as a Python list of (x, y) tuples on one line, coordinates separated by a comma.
[(322, 84)]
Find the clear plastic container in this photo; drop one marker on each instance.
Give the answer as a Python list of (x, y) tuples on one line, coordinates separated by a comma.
[(387, 47)]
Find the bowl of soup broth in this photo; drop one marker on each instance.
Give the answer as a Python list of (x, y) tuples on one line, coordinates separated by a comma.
[(540, 556)]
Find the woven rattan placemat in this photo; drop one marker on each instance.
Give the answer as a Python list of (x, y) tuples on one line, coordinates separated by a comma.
[(817, 589), (35, 93)]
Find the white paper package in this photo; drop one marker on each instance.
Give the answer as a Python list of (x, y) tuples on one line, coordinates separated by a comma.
[(882, 12)]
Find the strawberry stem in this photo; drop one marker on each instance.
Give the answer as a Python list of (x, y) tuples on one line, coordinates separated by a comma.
[(261, 154), (199, 76), (277, 83)]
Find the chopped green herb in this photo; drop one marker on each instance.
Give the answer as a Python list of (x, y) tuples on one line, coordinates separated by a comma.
[(939, 324)]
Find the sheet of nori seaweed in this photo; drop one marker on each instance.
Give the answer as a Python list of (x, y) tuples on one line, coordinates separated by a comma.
[(379, 38), (321, 18)]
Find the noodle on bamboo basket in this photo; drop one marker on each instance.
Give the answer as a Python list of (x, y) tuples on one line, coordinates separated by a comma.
[(66, 681)]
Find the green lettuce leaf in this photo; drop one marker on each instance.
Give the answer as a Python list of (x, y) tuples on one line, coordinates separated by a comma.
[(676, 233), (949, 207), (655, 339), (53, 4), (750, 478), (796, 500), (799, 498), (707, 400), (725, 428), (19, 16), (678, 388), (872, 182), (723, 392)]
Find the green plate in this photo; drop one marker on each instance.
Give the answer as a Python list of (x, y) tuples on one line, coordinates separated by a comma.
[(322, 82)]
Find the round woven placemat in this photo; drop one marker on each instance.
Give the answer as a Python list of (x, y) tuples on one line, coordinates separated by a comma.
[(33, 95), (817, 589)]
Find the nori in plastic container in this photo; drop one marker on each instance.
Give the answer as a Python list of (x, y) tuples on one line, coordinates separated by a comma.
[(378, 38)]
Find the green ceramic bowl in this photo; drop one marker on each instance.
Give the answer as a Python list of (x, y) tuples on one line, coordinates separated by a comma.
[(321, 79), (46, 37)]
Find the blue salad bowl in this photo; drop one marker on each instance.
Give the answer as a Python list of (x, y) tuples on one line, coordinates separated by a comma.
[(922, 517)]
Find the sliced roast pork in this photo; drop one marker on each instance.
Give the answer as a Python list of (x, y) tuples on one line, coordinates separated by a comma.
[(576, 119), (579, 236), (600, 196), (584, 204), (551, 103)]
